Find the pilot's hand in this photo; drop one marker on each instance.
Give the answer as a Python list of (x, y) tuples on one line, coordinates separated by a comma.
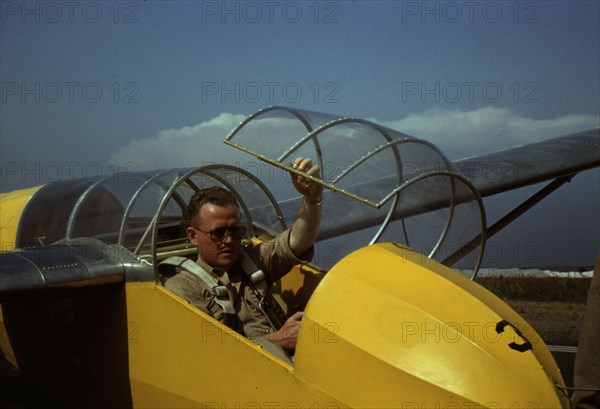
[(311, 190), (287, 336)]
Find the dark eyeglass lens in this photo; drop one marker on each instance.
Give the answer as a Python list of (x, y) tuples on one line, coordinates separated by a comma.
[(236, 232)]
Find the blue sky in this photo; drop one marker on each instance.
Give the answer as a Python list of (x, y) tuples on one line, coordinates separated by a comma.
[(91, 87)]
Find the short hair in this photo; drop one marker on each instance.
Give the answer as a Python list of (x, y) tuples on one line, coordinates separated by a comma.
[(215, 195)]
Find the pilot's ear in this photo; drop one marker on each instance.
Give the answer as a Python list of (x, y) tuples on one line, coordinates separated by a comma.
[(192, 235)]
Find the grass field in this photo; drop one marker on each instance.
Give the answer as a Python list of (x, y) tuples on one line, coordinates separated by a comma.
[(553, 306)]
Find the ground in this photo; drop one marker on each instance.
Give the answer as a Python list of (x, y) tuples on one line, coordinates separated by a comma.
[(558, 323), (553, 306)]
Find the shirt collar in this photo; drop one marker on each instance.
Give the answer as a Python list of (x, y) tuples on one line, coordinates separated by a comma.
[(217, 272)]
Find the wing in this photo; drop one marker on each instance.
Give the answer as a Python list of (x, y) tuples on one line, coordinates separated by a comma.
[(520, 166), (558, 159)]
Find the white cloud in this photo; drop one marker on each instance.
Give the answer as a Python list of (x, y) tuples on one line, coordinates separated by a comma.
[(465, 133), (458, 133), (188, 146)]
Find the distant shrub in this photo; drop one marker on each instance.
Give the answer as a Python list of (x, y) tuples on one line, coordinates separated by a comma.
[(561, 289)]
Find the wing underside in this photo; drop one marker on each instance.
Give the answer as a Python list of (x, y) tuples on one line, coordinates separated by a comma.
[(520, 166)]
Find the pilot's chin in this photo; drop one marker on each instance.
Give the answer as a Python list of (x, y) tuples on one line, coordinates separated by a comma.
[(227, 260)]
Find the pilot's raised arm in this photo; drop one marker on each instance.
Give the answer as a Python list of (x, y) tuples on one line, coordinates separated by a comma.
[(306, 226), (301, 238)]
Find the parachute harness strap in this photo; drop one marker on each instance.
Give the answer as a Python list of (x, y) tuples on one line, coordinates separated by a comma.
[(218, 291)]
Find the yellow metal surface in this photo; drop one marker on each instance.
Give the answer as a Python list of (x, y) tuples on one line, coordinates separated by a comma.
[(5, 345), (11, 208), (388, 327), (297, 286), (180, 357)]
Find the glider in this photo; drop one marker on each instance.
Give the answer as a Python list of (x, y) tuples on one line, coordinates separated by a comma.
[(85, 317)]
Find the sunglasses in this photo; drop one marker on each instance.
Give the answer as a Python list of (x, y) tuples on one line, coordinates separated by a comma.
[(221, 233)]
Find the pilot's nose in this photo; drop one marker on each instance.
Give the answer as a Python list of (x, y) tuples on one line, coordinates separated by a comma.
[(228, 238)]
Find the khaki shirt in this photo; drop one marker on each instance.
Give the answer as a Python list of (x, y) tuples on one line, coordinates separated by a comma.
[(276, 258)]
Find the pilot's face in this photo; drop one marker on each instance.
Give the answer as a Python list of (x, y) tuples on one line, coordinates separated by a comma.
[(216, 253)]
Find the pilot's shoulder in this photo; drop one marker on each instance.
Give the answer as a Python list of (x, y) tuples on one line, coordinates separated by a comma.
[(184, 282)]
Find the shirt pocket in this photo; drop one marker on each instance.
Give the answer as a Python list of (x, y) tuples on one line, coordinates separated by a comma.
[(213, 309)]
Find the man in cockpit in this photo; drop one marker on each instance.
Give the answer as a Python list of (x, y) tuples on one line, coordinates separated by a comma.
[(226, 292)]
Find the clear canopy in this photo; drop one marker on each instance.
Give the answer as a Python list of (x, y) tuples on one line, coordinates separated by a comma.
[(381, 185), (144, 211)]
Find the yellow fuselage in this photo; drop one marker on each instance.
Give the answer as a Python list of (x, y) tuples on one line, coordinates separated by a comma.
[(385, 327)]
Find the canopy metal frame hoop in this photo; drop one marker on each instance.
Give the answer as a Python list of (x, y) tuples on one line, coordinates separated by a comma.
[(79, 204), (481, 238), (209, 171)]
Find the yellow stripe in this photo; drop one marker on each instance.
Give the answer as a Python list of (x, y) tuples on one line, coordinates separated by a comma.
[(11, 209)]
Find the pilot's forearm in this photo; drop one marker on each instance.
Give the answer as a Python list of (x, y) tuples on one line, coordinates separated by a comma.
[(306, 226)]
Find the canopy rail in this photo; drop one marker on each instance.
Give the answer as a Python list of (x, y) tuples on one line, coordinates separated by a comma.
[(326, 185)]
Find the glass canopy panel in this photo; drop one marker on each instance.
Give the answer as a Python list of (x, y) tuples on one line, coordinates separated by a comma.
[(272, 131), (46, 215), (258, 207), (345, 148), (100, 209), (143, 207), (438, 215)]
